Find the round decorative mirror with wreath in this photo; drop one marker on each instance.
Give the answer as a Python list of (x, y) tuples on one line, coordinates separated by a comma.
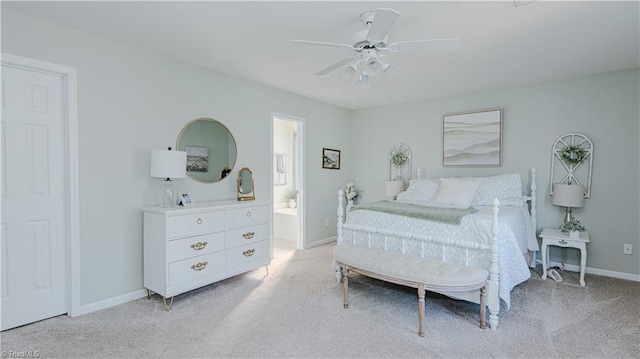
[(571, 160)]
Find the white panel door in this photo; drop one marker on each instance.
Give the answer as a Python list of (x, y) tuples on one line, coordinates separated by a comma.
[(33, 230)]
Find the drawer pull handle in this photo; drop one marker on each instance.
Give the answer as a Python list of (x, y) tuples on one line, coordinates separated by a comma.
[(563, 242), (249, 214), (200, 266), (199, 246), (249, 235), (199, 221), (249, 253)]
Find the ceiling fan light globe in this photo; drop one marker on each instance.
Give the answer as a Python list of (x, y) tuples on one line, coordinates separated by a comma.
[(374, 67), (363, 81)]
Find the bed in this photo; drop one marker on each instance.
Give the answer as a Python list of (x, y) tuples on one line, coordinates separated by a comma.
[(452, 220)]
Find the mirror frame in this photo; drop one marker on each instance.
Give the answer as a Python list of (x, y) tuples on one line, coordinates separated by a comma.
[(227, 168), (249, 195)]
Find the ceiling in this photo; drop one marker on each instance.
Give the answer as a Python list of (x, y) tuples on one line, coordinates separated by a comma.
[(503, 45)]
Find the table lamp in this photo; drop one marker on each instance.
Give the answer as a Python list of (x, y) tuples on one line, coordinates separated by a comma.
[(168, 164), (393, 188), (568, 195)]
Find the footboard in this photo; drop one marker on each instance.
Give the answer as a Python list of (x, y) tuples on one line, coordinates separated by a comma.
[(493, 298)]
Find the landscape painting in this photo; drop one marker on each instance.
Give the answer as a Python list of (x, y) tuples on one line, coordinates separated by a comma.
[(330, 159), (197, 158), (472, 139)]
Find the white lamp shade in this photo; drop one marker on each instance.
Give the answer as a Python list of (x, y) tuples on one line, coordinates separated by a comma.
[(568, 195), (393, 188), (168, 164)]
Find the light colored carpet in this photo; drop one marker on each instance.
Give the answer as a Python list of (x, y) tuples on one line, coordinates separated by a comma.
[(296, 312)]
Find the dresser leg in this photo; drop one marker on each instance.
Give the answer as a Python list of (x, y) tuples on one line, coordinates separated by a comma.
[(164, 303), (148, 294), (267, 268)]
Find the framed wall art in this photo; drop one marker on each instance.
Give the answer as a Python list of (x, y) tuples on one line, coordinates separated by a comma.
[(472, 139), (330, 159)]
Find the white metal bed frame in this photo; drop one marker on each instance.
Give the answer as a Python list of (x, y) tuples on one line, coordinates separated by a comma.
[(492, 290)]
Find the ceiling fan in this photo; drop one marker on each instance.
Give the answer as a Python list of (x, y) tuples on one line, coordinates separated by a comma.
[(370, 45)]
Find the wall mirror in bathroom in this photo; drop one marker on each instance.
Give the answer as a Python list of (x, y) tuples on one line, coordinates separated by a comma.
[(245, 185), (211, 150)]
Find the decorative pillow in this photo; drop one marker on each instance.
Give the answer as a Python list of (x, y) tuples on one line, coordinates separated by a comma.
[(455, 193), (507, 188), (420, 191)]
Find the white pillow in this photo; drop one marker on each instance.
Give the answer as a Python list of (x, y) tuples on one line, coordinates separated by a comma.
[(420, 191), (455, 193), (507, 188)]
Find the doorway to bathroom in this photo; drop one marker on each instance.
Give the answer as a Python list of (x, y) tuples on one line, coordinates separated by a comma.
[(288, 182)]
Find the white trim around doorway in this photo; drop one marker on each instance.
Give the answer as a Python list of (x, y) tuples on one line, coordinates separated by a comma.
[(301, 167)]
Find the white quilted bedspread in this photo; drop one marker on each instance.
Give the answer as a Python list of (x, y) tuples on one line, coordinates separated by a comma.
[(515, 237)]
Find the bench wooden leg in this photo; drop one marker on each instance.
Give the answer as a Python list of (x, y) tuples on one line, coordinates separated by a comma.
[(345, 286), (483, 309), (421, 309)]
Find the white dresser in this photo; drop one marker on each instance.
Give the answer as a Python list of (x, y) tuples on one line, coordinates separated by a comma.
[(187, 248)]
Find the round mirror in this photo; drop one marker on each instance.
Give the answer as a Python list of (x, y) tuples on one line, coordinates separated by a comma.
[(210, 147)]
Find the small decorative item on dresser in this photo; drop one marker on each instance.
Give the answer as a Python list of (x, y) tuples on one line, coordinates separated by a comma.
[(185, 200), (246, 190)]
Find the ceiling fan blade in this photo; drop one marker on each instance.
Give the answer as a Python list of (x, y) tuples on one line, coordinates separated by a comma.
[(426, 45), (381, 24), (320, 43), (337, 65)]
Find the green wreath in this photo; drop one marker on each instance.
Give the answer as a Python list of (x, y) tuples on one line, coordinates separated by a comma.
[(573, 155)]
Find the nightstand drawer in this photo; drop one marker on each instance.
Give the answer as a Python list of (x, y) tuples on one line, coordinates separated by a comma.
[(559, 242), (196, 267), (195, 246)]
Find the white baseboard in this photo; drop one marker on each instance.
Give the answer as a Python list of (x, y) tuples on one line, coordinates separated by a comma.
[(107, 303), (321, 242), (121, 299), (596, 271)]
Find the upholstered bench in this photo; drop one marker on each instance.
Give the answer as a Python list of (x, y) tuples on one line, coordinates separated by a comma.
[(411, 271)]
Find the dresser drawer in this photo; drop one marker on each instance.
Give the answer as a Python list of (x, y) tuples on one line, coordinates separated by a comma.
[(192, 224), (245, 217), (195, 246), (246, 235), (244, 254), (196, 267)]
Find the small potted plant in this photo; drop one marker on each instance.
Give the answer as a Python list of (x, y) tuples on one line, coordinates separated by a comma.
[(351, 192), (573, 227), (292, 197)]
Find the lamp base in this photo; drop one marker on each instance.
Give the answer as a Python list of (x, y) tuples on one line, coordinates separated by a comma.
[(567, 215), (168, 198)]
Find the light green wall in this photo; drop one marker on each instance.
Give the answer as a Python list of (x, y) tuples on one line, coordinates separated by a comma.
[(604, 107), (130, 102)]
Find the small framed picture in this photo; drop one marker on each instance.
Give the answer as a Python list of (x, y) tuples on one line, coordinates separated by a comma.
[(185, 200), (330, 159)]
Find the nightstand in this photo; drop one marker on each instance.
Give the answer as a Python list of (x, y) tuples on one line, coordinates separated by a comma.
[(555, 237)]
